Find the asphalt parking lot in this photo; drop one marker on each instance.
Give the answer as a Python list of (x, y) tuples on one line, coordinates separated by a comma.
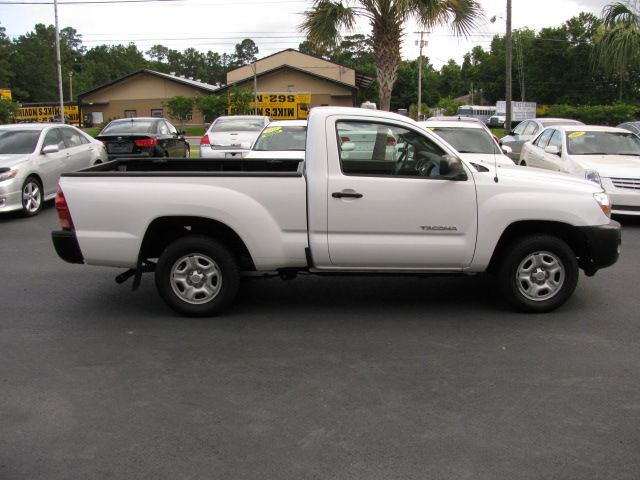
[(323, 378)]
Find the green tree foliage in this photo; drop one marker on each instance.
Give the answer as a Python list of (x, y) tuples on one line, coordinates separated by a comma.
[(597, 114), (245, 52), (618, 50), (8, 110), (326, 18), (240, 101), (179, 107), (448, 105), (212, 106), (6, 49)]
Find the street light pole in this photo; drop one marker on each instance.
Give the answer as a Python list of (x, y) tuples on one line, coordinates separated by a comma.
[(71, 85), (508, 60), (422, 43), (58, 61), (255, 89)]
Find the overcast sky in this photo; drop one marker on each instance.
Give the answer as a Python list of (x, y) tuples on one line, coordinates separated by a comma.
[(218, 25)]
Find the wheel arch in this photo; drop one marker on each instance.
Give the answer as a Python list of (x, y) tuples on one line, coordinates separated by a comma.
[(162, 231), (568, 233)]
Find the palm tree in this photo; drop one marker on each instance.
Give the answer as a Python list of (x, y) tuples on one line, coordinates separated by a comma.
[(326, 18), (618, 46)]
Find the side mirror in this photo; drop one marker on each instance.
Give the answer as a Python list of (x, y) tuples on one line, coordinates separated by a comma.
[(552, 149), (50, 149), (451, 168), (506, 149), (182, 132), (245, 146)]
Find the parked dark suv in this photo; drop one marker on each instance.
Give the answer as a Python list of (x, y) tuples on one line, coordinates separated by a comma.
[(143, 137)]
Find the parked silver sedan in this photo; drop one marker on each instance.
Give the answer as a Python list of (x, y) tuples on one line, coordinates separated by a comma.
[(527, 130), (32, 158)]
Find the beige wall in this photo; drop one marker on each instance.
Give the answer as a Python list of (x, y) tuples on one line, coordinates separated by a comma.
[(298, 60), (322, 92), (142, 93)]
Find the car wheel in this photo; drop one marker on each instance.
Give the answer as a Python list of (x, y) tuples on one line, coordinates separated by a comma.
[(32, 197), (197, 276), (538, 274)]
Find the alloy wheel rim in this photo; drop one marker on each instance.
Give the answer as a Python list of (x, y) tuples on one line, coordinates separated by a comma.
[(196, 279), (31, 197), (540, 276)]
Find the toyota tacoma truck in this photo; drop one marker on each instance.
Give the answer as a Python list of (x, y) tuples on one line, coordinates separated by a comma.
[(375, 194)]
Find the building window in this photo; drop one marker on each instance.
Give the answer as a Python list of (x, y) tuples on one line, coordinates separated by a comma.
[(291, 88), (129, 113), (188, 117), (156, 113)]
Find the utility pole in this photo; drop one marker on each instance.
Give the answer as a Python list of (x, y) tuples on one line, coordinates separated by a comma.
[(421, 43), (58, 62), (255, 89), (71, 85), (508, 60)]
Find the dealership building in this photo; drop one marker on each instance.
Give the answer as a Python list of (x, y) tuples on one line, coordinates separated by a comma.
[(288, 83)]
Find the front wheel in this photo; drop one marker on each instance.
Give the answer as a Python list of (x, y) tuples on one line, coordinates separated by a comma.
[(197, 276), (32, 197), (539, 273)]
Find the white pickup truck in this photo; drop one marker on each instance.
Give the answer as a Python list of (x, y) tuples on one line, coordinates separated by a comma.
[(376, 194)]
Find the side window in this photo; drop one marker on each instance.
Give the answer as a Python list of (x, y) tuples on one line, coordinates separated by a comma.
[(520, 128), (163, 129), (374, 149), (72, 138), (172, 129), (543, 140), (556, 140), (530, 129), (53, 137)]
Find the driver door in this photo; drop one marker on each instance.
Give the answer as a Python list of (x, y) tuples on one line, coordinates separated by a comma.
[(388, 207)]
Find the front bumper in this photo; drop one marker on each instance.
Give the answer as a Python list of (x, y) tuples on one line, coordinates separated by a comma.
[(624, 201), (10, 195), (67, 247), (603, 246)]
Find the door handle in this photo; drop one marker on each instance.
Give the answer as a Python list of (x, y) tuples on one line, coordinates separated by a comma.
[(346, 195)]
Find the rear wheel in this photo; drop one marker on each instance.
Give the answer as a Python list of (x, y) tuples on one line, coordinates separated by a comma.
[(197, 276), (539, 273), (32, 197)]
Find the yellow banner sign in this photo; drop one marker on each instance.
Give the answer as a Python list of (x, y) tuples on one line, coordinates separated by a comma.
[(5, 94), (284, 106), (47, 113)]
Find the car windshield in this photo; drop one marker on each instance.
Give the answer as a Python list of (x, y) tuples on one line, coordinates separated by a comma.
[(467, 140), (603, 143), (130, 126), (16, 142), (282, 138), (237, 124)]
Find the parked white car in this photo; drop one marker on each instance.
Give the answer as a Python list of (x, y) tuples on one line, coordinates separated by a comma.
[(32, 158), (472, 141), (282, 139), (527, 130), (607, 156), (231, 137)]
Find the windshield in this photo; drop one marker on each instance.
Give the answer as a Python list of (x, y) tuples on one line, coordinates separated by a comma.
[(603, 143), (237, 124), (130, 126), (467, 140), (281, 138), (15, 142)]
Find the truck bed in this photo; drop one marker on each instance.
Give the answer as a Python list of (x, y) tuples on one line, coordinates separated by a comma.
[(160, 167)]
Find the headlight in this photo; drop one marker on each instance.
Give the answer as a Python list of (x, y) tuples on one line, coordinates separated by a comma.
[(593, 176), (6, 174), (604, 202)]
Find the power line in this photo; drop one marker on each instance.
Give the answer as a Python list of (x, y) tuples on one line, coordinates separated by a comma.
[(111, 2)]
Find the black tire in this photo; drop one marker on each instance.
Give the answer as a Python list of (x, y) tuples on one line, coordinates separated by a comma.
[(32, 197), (197, 276), (538, 274)]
